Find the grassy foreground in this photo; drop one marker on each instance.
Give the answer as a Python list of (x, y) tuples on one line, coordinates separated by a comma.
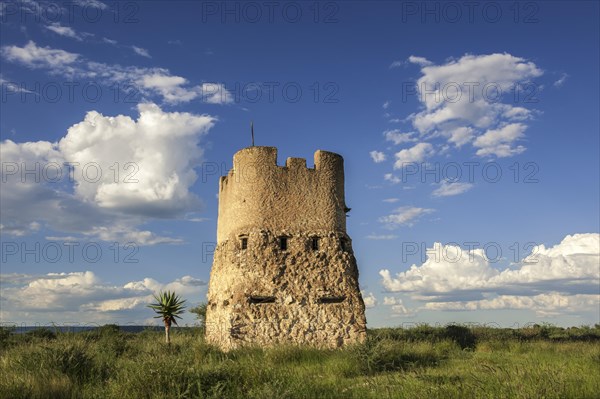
[(421, 362)]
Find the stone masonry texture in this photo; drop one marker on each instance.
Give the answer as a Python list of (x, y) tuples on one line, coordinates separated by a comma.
[(283, 269)]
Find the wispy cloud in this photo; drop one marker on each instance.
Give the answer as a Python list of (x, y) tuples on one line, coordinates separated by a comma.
[(447, 188), (422, 61), (91, 3), (561, 81), (397, 137), (141, 51), (33, 56), (148, 81), (64, 31), (396, 64), (404, 216), (381, 237), (216, 93)]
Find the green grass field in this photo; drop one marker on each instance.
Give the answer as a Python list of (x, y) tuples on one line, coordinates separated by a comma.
[(421, 362)]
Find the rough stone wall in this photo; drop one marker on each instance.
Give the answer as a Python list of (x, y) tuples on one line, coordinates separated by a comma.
[(259, 193), (263, 294)]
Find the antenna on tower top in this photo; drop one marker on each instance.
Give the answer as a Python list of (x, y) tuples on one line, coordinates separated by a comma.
[(252, 131)]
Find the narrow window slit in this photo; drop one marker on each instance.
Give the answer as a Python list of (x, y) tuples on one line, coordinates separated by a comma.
[(314, 243), (261, 299), (331, 299), (244, 242), (283, 243)]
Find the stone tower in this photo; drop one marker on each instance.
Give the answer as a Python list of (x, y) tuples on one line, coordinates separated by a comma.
[(283, 269)]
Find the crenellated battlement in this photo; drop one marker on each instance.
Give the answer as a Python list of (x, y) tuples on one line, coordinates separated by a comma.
[(295, 163), (258, 192), (250, 162)]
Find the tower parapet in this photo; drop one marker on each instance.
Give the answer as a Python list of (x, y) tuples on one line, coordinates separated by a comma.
[(283, 269), (258, 192)]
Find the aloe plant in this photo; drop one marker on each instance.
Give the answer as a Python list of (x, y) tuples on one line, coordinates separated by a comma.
[(168, 306)]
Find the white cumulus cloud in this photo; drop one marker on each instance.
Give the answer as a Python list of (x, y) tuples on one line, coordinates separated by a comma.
[(397, 137), (551, 278), (83, 296), (158, 152), (390, 300), (466, 100), (498, 142), (391, 178), (544, 305), (370, 300), (123, 172), (377, 156), (418, 153)]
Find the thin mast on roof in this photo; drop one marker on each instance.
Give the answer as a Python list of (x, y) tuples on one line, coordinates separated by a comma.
[(252, 131)]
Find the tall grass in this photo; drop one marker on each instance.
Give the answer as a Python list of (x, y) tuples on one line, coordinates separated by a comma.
[(421, 362)]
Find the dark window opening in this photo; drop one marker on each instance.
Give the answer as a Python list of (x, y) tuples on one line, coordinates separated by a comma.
[(314, 243), (244, 242), (331, 299), (283, 243), (344, 244), (261, 299)]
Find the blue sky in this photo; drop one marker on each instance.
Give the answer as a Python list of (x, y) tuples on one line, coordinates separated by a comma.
[(427, 102)]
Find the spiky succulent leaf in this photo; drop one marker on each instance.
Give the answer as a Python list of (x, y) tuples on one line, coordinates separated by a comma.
[(168, 306)]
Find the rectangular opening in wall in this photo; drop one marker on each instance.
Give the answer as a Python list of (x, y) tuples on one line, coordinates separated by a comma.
[(244, 242), (283, 243), (331, 299), (261, 299), (314, 243)]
